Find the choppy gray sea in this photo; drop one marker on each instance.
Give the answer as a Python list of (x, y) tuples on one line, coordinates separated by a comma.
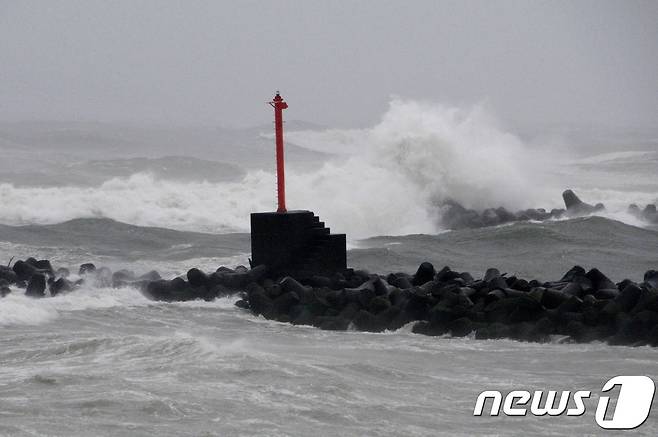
[(103, 361)]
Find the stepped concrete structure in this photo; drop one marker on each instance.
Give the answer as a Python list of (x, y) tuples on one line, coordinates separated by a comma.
[(294, 243)]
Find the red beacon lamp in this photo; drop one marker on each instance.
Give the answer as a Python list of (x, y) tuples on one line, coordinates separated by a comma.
[(279, 105)]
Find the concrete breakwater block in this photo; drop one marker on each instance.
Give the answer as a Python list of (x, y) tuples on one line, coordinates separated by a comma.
[(296, 243)]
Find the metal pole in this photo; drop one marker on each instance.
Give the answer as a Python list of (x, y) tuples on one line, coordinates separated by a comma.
[(279, 105)]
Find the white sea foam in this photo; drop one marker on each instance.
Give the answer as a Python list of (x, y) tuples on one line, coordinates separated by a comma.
[(388, 180), (419, 153), (18, 309)]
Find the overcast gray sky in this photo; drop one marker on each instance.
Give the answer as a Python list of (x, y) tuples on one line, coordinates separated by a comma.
[(337, 63)]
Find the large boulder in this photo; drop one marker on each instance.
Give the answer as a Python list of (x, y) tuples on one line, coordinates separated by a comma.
[(651, 278), (575, 206), (259, 302), (599, 280), (238, 279), (87, 268), (37, 286), (175, 290), (628, 297), (8, 275), (24, 270), (573, 273), (460, 327), (197, 278), (44, 266), (425, 273), (283, 304), (61, 285)]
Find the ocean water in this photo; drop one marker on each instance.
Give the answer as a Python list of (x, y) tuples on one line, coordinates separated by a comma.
[(104, 361)]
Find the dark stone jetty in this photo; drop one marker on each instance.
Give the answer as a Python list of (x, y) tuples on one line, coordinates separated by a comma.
[(582, 306), (455, 216)]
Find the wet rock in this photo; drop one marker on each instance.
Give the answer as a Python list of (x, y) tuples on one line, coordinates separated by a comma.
[(197, 278), (575, 206), (630, 331), (628, 297), (460, 327), (215, 292), (24, 270), (542, 330), (259, 302), (573, 273), (491, 274), (8, 275), (494, 296), (553, 298), (380, 286), (320, 281), (428, 328), (242, 303), (366, 321), (238, 279), (599, 280), (86, 268), (573, 289), (576, 330), (283, 303), (378, 304), (606, 293), (572, 304), (520, 284), (4, 291), (37, 286), (425, 273), (584, 305), (401, 281), (44, 266), (159, 290), (61, 285), (648, 300), (172, 291), (651, 279)]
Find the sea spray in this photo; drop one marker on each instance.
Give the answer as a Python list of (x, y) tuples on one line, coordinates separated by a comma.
[(386, 180)]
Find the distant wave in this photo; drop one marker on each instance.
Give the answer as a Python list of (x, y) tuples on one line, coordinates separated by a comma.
[(79, 238), (617, 157), (541, 250), (95, 172), (390, 183)]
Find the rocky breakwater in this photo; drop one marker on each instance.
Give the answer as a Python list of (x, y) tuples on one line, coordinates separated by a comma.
[(39, 279), (455, 216), (582, 306)]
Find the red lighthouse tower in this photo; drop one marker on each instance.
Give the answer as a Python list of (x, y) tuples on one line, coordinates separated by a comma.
[(293, 242), (279, 105)]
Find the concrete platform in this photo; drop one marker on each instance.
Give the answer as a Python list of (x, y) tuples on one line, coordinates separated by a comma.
[(296, 243)]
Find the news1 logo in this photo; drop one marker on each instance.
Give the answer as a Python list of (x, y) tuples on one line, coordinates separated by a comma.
[(631, 410)]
